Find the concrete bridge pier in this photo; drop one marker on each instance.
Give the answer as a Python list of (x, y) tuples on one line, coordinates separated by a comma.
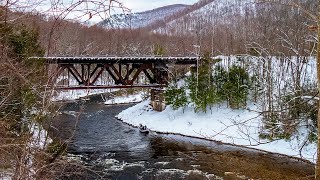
[(158, 99), (157, 94)]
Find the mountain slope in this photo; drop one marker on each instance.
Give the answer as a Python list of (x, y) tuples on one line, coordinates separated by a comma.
[(141, 19), (203, 14)]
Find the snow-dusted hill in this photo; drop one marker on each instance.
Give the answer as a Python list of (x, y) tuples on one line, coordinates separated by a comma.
[(205, 15), (179, 18), (141, 19)]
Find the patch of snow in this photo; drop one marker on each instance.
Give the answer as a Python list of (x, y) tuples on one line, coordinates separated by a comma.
[(125, 99), (162, 163), (148, 171), (182, 173), (136, 164), (170, 171), (213, 176), (120, 166), (76, 94), (40, 136), (204, 175), (179, 159), (117, 167), (109, 162), (73, 157), (195, 166), (5, 176), (38, 141)]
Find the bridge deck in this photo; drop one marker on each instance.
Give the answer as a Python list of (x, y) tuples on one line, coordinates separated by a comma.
[(121, 60)]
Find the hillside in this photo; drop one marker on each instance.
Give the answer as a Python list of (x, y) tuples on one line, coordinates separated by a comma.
[(141, 19), (206, 15), (235, 27)]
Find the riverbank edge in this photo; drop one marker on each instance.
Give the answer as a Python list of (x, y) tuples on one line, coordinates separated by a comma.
[(220, 142)]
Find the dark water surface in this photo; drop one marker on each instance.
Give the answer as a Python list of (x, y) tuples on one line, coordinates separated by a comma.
[(114, 150)]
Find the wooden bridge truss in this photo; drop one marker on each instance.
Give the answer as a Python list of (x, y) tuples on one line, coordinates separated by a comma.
[(123, 71)]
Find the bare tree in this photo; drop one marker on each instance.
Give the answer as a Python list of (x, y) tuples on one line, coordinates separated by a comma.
[(318, 76), (24, 104)]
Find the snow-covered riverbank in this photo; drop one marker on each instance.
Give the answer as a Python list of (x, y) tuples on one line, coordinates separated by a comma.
[(220, 123), (240, 127)]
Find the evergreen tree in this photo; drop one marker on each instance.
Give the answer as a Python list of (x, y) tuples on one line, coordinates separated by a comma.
[(203, 93), (176, 97), (236, 87), (219, 78), (233, 85), (21, 76), (24, 42), (158, 50)]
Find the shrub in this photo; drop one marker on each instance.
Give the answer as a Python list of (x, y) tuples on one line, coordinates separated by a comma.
[(232, 86)]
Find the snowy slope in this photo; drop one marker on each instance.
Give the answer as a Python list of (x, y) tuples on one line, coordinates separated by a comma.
[(239, 127), (212, 13), (141, 19)]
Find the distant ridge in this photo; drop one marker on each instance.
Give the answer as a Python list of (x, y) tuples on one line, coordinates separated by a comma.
[(162, 22), (203, 15), (141, 19)]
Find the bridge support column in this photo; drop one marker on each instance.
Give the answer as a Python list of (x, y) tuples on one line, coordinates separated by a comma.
[(157, 99)]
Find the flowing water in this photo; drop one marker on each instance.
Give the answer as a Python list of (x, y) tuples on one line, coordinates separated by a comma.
[(114, 150)]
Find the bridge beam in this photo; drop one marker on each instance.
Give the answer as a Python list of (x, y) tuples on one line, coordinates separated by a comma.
[(122, 74)]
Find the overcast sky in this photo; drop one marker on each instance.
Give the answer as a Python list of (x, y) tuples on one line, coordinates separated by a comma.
[(143, 5), (79, 12)]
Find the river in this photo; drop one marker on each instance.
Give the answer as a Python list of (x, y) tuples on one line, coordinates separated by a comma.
[(114, 150)]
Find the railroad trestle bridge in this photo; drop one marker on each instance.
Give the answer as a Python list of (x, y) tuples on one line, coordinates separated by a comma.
[(124, 72)]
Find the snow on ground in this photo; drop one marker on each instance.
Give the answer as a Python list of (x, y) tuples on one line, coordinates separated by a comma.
[(6, 176), (240, 127), (40, 138), (76, 94), (63, 95), (126, 99)]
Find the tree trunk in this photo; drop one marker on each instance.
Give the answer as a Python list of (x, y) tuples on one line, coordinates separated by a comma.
[(317, 170)]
